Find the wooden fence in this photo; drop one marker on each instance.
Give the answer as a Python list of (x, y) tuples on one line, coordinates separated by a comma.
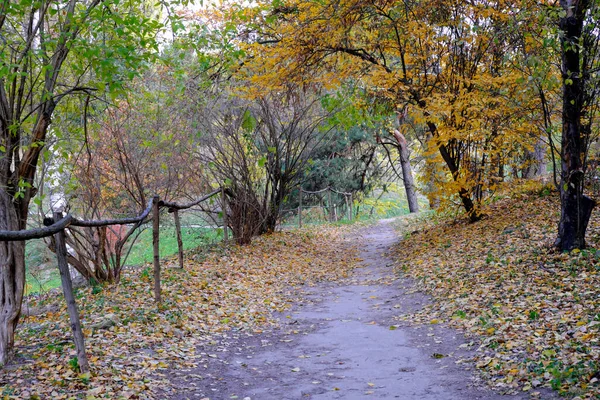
[(58, 223), (331, 207)]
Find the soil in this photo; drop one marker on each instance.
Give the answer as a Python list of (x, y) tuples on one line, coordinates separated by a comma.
[(342, 342)]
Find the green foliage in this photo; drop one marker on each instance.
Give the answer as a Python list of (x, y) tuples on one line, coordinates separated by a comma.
[(74, 364), (534, 315), (145, 275), (249, 122), (349, 161)]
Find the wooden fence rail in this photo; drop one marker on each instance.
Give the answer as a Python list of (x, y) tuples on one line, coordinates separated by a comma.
[(56, 226), (174, 208), (348, 200)]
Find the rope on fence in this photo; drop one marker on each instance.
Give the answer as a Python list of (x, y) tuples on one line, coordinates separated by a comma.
[(121, 221), (174, 208), (326, 189)]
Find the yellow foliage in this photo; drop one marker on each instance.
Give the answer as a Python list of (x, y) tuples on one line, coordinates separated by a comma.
[(450, 65)]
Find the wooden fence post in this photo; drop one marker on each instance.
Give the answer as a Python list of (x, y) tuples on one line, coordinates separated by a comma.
[(349, 201), (224, 211), (155, 240), (67, 287), (179, 241), (300, 209), (330, 205)]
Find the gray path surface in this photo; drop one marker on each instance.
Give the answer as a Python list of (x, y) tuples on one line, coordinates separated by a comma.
[(338, 344)]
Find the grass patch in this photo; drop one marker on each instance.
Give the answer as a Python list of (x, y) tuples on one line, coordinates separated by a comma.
[(42, 272), (142, 252)]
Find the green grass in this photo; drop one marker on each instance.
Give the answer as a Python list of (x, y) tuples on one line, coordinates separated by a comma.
[(37, 253), (37, 280), (142, 252), (35, 285)]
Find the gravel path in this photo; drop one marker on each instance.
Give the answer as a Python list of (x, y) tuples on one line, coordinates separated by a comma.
[(342, 342)]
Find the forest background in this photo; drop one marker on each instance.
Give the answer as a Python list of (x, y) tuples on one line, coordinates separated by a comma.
[(106, 104)]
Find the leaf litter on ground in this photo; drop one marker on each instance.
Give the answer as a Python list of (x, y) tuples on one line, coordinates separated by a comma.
[(532, 311), (236, 289)]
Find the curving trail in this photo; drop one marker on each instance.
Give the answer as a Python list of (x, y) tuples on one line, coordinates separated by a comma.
[(342, 343)]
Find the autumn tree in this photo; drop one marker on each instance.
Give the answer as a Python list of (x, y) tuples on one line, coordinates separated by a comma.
[(137, 149), (580, 59), (443, 62), (51, 50), (260, 149)]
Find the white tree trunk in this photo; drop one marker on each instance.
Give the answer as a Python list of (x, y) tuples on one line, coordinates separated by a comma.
[(409, 182)]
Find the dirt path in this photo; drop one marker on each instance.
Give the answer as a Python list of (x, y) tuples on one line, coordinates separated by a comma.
[(341, 343)]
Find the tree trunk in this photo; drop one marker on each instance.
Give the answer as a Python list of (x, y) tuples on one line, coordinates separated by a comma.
[(528, 169), (452, 165), (273, 206), (155, 248), (245, 217), (225, 216), (463, 193), (576, 208), (12, 262), (409, 182), (539, 154), (535, 161), (178, 234)]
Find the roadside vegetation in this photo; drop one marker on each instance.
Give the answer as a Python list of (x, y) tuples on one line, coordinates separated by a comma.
[(270, 113), (532, 312)]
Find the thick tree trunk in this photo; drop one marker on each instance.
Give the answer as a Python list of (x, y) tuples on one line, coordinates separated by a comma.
[(12, 264), (273, 206), (576, 208), (409, 182), (245, 215), (19, 154)]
